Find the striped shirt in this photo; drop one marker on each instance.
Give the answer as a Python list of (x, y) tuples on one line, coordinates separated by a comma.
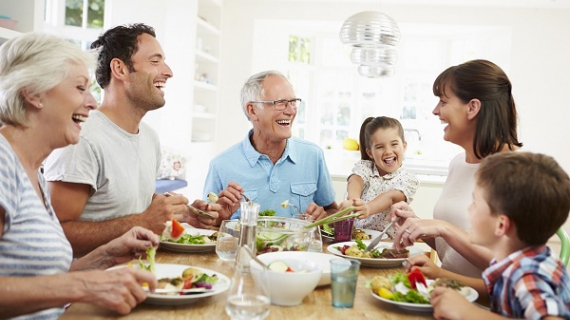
[(529, 284), (33, 242)]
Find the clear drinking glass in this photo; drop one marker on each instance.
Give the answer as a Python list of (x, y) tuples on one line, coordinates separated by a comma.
[(248, 296), (316, 244), (227, 242), (344, 275)]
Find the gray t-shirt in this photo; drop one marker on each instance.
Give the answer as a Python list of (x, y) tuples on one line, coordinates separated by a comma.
[(120, 167)]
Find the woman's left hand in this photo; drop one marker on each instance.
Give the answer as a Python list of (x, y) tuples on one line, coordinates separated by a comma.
[(415, 228), (133, 244)]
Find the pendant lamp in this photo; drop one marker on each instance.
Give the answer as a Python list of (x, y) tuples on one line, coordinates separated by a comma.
[(373, 36)]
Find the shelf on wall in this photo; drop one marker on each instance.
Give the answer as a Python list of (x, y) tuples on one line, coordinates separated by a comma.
[(208, 27), (6, 34), (206, 56), (204, 85)]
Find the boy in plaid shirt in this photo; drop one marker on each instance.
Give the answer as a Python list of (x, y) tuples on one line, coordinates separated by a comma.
[(519, 202)]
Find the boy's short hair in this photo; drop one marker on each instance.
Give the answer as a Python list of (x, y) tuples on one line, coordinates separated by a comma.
[(529, 188)]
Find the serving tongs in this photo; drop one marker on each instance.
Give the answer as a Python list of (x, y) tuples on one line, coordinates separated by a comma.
[(336, 217)]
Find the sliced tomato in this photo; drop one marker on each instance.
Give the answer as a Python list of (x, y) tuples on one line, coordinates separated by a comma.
[(343, 249), (177, 229), (416, 275), (187, 283)]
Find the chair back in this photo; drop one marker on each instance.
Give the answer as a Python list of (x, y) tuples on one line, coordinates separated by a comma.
[(564, 246)]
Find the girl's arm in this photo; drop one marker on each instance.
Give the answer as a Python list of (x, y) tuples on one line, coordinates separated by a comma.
[(385, 200), (354, 187)]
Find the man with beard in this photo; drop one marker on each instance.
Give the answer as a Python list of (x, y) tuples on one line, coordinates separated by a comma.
[(104, 185)]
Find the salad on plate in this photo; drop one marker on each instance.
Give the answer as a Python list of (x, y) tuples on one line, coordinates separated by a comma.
[(400, 289)]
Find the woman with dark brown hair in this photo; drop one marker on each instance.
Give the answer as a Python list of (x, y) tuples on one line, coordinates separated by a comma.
[(477, 105)]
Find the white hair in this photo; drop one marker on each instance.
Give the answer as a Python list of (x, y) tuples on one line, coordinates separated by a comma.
[(253, 90), (36, 62)]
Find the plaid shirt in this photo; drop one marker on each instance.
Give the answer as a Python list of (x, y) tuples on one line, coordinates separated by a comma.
[(530, 284)]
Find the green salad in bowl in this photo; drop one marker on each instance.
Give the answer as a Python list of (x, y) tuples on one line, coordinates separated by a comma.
[(282, 234)]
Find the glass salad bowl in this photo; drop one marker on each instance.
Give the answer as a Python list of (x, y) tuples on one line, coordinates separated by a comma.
[(282, 234)]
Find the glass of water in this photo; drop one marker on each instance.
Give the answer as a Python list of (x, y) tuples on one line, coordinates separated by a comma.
[(228, 240), (344, 275), (316, 244)]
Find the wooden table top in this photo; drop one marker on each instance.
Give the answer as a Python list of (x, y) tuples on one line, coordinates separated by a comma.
[(317, 305)]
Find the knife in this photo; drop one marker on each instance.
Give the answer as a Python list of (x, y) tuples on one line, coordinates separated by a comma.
[(195, 210), (200, 212), (181, 292), (374, 242)]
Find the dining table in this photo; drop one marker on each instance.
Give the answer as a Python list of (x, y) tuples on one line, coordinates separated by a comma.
[(317, 305)]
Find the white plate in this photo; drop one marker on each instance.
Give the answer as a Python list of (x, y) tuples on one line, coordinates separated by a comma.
[(175, 270), (375, 262), (468, 292), (321, 259), (180, 247)]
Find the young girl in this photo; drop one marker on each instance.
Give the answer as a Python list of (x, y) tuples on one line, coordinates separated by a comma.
[(378, 180)]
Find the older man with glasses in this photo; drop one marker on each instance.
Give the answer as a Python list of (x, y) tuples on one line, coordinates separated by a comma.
[(270, 166)]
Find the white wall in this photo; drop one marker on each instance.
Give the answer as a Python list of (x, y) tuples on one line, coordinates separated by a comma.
[(539, 70)]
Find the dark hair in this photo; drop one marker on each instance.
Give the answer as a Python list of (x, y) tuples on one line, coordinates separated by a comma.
[(119, 42), (497, 120), (529, 188), (370, 125)]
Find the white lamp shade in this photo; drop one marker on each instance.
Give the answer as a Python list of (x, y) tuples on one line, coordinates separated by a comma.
[(370, 29), (385, 55)]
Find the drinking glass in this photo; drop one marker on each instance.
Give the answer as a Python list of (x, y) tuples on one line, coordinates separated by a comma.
[(344, 275), (343, 230), (228, 240), (316, 244)]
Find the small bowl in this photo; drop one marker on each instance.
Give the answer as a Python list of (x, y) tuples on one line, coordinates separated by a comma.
[(282, 234), (289, 288), (321, 259)]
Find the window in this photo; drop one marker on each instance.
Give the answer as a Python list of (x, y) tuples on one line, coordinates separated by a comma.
[(80, 21), (337, 99)]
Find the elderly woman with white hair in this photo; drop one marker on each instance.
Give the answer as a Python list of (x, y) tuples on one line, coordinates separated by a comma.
[(44, 98)]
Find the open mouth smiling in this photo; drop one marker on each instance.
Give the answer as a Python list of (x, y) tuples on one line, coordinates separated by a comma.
[(160, 85), (77, 118), (285, 123)]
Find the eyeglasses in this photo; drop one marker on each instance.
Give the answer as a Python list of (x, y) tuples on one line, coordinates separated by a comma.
[(281, 104)]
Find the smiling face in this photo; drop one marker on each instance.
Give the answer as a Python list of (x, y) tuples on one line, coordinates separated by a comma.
[(67, 105), (272, 125), (387, 150), (146, 83), (453, 112)]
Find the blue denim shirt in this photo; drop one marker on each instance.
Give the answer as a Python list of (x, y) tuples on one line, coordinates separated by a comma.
[(300, 176)]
